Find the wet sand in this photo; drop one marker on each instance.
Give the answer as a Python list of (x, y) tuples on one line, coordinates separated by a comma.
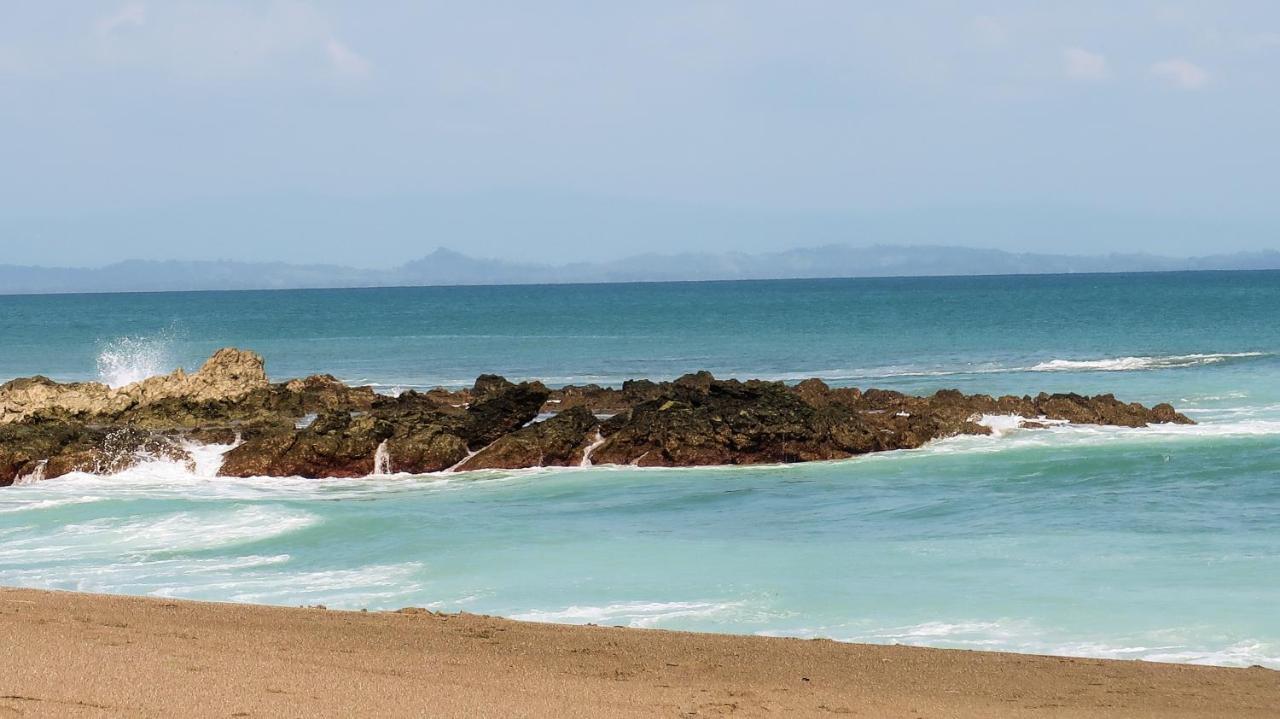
[(84, 655)]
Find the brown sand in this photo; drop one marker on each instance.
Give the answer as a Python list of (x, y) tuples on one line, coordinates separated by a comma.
[(84, 655)]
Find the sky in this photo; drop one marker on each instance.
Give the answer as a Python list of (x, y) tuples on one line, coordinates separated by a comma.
[(370, 133)]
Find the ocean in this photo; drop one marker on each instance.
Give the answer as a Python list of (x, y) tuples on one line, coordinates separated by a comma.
[(1160, 543)]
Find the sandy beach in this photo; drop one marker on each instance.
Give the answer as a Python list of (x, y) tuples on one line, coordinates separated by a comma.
[(85, 655)]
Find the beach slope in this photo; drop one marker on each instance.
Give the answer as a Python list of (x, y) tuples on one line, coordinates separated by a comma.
[(84, 655)]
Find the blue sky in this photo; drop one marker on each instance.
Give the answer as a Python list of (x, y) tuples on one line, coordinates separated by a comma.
[(370, 133)]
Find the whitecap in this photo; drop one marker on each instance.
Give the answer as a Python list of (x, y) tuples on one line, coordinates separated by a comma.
[(1136, 363)]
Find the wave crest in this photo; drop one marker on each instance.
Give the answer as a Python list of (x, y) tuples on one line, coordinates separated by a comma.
[(1130, 364)]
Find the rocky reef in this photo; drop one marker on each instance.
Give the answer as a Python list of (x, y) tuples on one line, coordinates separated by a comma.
[(320, 427)]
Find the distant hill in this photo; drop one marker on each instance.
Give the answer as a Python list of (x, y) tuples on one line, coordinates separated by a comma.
[(447, 267)]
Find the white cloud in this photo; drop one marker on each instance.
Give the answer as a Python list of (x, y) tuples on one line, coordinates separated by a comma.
[(1181, 73), (133, 14), (1080, 64), (346, 62)]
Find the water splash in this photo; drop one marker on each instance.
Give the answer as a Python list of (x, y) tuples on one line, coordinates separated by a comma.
[(586, 454), (125, 360), (36, 475), (382, 460)]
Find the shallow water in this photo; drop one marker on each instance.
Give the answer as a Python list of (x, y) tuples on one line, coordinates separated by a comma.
[(1159, 543)]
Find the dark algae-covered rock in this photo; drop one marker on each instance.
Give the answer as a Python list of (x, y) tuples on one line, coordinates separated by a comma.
[(336, 444), (557, 442), (44, 449), (319, 427), (503, 411), (421, 435)]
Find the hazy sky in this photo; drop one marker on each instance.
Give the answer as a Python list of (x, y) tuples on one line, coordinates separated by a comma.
[(370, 133)]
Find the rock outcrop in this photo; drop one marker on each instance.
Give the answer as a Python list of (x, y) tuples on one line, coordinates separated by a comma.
[(558, 442), (319, 427), (227, 377), (43, 449), (698, 420), (421, 435)]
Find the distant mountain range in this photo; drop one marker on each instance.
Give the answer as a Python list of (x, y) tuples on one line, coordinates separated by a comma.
[(447, 267)]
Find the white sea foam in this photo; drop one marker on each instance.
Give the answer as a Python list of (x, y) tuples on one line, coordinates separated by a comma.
[(125, 360), (1213, 397), (260, 579), (1002, 424), (1061, 434), (15, 502), (180, 531), (207, 458), (1028, 637), (163, 478), (633, 614), (1239, 654), (36, 475), (1130, 364), (957, 633), (348, 588)]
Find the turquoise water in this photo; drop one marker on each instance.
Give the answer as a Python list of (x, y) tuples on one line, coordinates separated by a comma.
[(1159, 543)]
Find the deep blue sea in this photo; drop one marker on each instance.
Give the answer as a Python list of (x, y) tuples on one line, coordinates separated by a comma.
[(1160, 543)]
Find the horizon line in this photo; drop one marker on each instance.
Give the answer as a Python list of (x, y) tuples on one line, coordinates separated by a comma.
[(870, 278)]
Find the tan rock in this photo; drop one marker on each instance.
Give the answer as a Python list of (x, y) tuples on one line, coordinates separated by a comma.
[(229, 374)]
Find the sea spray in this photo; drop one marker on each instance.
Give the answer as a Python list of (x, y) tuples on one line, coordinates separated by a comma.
[(36, 475), (125, 360), (586, 454), (206, 459), (382, 460)]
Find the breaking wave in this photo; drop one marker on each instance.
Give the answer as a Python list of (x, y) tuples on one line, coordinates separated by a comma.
[(1132, 364), (177, 532)]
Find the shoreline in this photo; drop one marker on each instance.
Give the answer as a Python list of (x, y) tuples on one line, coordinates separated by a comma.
[(93, 655)]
